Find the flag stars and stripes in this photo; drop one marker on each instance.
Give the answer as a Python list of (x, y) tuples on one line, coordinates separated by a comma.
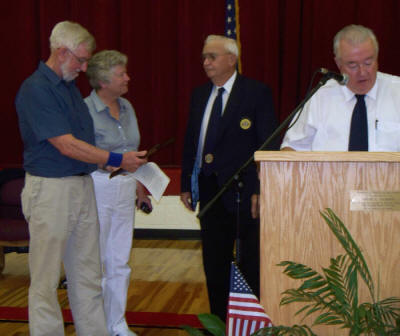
[(230, 19), (245, 314)]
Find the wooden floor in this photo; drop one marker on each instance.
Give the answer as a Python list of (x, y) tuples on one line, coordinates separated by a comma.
[(167, 276)]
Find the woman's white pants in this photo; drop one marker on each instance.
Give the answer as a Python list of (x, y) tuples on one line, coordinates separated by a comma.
[(116, 208)]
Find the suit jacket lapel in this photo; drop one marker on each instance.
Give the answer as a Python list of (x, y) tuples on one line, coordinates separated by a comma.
[(204, 94)]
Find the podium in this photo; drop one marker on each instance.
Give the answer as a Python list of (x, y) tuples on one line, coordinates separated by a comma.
[(362, 188)]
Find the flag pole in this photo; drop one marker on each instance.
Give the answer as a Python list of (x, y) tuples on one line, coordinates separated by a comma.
[(238, 35)]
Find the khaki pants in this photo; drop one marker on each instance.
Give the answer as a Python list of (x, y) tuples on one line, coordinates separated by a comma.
[(63, 227)]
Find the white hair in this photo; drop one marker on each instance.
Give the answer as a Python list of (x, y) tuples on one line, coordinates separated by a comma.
[(101, 65), (71, 35), (354, 34), (229, 44)]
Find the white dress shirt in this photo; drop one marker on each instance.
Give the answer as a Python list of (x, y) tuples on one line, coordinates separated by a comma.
[(324, 124)]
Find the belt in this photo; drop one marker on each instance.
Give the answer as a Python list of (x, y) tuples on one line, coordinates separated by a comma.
[(80, 174)]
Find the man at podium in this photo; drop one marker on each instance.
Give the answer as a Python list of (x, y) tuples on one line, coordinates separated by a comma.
[(363, 114)]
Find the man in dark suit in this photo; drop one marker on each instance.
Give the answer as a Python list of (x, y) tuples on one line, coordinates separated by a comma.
[(244, 115)]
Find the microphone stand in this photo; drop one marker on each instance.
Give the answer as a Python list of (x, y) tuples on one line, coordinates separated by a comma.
[(236, 176), (238, 190)]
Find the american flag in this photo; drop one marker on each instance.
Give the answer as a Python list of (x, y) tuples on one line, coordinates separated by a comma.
[(230, 18), (245, 314), (232, 27)]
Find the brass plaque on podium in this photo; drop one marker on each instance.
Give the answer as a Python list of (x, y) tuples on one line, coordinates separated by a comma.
[(374, 200)]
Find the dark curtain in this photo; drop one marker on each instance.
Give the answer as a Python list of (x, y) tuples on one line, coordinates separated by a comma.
[(283, 43)]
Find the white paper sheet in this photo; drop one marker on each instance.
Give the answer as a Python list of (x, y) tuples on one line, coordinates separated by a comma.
[(153, 178)]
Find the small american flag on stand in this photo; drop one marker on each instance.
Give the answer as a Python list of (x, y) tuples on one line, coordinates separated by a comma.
[(245, 314)]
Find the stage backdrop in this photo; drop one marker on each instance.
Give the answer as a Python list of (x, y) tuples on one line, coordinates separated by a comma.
[(283, 42)]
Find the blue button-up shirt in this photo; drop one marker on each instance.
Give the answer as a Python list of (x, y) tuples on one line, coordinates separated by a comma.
[(111, 134), (47, 107)]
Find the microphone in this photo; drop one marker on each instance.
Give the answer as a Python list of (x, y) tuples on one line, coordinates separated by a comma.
[(342, 79)]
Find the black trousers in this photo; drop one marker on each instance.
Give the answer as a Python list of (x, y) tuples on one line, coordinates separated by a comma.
[(219, 232)]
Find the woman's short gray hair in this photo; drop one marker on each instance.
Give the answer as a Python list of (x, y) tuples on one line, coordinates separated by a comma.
[(354, 34), (71, 35), (229, 44), (101, 64)]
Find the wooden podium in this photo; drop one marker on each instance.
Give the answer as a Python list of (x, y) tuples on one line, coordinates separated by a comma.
[(363, 189)]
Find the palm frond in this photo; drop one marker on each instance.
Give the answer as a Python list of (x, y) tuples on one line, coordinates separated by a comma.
[(315, 304), (383, 313), (328, 318), (344, 237), (327, 295), (334, 275), (351, 283), (297, 271), (295, 330)]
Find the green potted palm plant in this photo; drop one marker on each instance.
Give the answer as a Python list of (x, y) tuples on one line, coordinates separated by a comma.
[(331, 297)]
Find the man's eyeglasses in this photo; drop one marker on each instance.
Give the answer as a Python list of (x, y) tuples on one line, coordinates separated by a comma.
[(212, 56), (81, 60)]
